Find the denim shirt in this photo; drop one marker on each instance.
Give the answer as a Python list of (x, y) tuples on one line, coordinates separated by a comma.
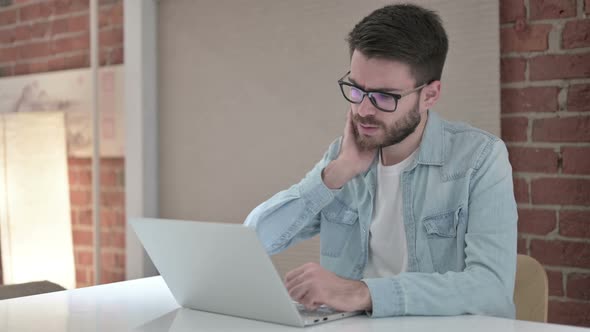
[(460, 221)]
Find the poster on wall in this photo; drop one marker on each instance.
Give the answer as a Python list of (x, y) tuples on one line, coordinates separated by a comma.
[(36, 242), (71, 92)]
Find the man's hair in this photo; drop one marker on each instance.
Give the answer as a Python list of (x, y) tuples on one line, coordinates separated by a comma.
[(406, 33)]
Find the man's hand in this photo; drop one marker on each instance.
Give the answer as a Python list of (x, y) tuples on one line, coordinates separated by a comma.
[(351, 161), (312, 286)]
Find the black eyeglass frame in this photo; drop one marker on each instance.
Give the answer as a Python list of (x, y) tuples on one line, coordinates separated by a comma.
[(395, 96)]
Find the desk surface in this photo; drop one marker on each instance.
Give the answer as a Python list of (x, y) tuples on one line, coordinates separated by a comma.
[(147, 305)]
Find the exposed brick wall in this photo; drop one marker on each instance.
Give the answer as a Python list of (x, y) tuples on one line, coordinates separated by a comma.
[(47, 35), (545, 71)]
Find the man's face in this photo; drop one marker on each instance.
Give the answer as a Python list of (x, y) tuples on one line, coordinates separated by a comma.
[(372, 127)]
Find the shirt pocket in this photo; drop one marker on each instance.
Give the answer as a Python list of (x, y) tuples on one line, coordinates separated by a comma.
[(441, 235), (336, 228)]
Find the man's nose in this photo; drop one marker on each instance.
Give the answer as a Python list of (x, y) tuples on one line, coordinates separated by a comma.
[(366, 108)]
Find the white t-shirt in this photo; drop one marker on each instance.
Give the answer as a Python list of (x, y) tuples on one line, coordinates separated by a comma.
[(388, 253)]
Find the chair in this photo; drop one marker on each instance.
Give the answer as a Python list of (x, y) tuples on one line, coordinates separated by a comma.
[(27, 289), (530, 290)]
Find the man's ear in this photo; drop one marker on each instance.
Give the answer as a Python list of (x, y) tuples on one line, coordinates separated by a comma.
[(430, 94)]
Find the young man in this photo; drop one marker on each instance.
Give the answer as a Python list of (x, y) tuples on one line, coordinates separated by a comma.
[(416, 215)]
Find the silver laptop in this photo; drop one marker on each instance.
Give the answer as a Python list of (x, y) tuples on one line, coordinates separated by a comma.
[(223, 268)]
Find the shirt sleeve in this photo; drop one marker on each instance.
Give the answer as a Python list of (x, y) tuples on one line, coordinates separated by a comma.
[(293, 215)]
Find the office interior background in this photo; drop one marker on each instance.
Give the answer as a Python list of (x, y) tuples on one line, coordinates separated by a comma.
[(544, 97)]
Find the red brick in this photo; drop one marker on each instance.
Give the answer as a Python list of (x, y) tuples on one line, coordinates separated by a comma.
[(521, 246), (510, 10), (570, 129), (77, 61), (57, 63), (39, 67), (84, 216), (78, 23), (117, 163), (113, 260), (121, 219), (22, 33), (521, 190), (537, 99), (539, 222), (8, 54), (35, 50), (576, 160), (113, 199), (116, 56), (111, 15), (113, 239), (73, 161), (30, 68), (85, 177), (574, 223), (22, 69), (7, 17), (82, 276), (108, 218), (547, 9), (555, 283), (512, 69), (569, 313), (560, 191), (561, 253), (111, 37), (576, 34), (532, 38), (70, 6), (103, 57), (108, 178), (83, 238), (69, 44), (514, 129), (578, 98), (80, 197), (40, 30), (7, 37), (59, 26), (36, 11), (109, 277), (533, 160), (546, 67), (72, 177), (117, 16), (84, 258), (73, 217), (578, 286)]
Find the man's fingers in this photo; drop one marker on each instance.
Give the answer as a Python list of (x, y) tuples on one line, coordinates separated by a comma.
[(294, 273), (310, 300), (298, 292), (294, 281)]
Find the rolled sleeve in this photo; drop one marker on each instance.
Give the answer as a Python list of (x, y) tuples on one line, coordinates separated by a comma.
[(387, 296)]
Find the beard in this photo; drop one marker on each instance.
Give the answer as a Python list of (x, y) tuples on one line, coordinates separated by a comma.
[(394, 134)]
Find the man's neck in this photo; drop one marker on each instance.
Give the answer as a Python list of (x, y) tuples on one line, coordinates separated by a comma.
[(393, 154)]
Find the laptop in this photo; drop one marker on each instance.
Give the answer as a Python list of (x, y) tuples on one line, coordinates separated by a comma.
[(223, 268)]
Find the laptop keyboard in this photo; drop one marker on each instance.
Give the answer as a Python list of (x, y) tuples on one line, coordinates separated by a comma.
[(321, 311)]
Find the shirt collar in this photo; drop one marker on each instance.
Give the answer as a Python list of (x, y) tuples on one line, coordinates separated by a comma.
[(431, 149)]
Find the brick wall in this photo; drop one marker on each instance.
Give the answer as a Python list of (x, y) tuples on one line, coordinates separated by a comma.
[(47, 35), (545, 71)]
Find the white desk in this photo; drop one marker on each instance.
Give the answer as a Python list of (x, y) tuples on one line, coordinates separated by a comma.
[(147, 305)]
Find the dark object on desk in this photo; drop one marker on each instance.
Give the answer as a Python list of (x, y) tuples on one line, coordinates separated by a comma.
[(29, 288)]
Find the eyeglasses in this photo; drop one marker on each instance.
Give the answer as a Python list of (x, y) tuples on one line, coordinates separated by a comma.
[(383, 101)]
